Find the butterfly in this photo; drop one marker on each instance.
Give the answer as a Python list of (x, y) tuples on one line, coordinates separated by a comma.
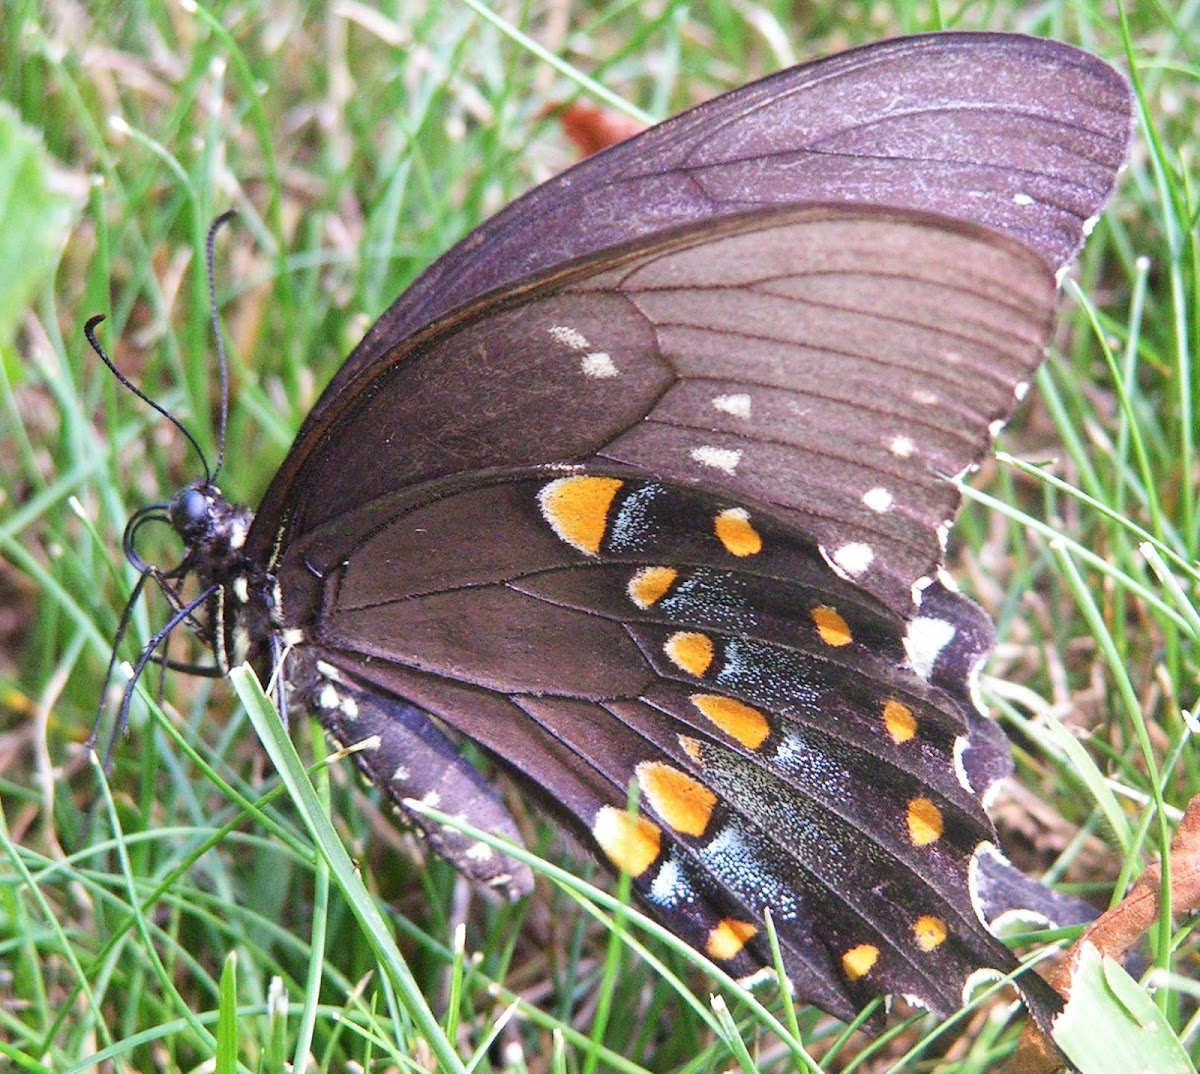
[(645, 486)]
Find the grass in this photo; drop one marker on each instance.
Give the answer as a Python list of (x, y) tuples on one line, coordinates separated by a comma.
[(177, 913)]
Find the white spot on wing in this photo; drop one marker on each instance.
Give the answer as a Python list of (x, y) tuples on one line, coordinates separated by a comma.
[(961, 745), (599, 364), (924, 397), (851, 559), (943, 533), (667, 888), (758, 977), (1021, 389), (479, 852), (569, 336), (878, 500), (738, 405), (990, 793), (946, 578), (977, 979), (1020, 198), (924, 641), (973, 869), (976, 691), (902, 447), (724, 459), (402, 774), (918, 589)]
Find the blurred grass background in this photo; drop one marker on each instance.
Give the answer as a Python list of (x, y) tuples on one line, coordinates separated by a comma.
[(357, 142)]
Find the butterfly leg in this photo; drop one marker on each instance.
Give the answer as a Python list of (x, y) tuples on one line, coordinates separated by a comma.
[(404, 753)]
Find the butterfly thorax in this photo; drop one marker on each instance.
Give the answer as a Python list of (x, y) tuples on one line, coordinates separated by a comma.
[(241, 608)]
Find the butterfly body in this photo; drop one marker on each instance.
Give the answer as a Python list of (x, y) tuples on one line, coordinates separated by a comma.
[(660, 501)]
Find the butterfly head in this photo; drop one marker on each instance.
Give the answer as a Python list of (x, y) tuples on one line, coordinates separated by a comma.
[(212, 529)]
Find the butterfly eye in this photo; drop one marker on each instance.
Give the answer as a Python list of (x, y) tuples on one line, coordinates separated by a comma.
[(189, 512)]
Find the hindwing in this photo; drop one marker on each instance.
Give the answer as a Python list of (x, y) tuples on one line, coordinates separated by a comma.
[(787, 754)]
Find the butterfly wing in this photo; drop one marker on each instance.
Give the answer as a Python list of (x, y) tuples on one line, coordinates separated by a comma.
[(787, 755), (835, 363), (659, 497), (1020, 134), (801, 732)]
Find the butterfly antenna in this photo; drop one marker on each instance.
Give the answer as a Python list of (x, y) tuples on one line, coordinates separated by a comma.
[(222, 359), (89, 330)]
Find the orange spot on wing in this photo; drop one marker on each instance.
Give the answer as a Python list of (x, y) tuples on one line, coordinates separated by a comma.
[(925, 822), (901, 724), (930, 931), (650, 584), (859, 961), (577, 509), (834, 630), (735, 532), (728, 938), (631, 842), (690, 651), (684, 803), (735, 718)]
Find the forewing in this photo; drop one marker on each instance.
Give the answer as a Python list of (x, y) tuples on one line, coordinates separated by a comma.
[(833, 364), (1017, 133)]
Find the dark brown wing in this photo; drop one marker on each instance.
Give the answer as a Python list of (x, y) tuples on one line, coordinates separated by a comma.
[(1020, 134), (835, 364), (791, 751), (647, 481)]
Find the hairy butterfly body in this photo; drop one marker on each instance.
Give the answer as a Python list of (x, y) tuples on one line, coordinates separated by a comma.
[(647, 482)]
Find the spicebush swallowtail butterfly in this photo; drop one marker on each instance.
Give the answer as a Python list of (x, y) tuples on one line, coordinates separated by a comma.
[(646, 483)]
